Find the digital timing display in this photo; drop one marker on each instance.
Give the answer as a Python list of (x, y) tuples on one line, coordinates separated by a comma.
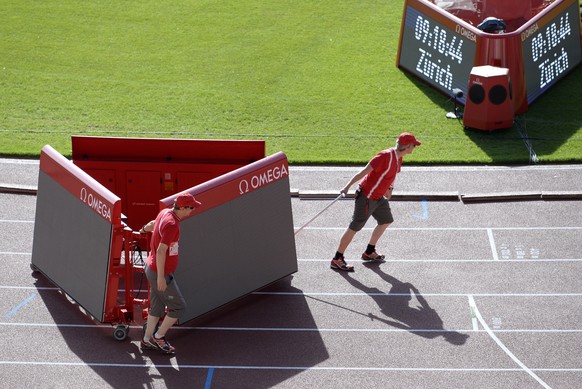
[(437, 54), (550, 49)]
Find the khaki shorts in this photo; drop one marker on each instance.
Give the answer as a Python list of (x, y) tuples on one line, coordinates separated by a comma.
[(171, 297), (364, 208)]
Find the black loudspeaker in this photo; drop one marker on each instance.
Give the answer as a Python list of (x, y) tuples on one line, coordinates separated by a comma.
[(489, 104)]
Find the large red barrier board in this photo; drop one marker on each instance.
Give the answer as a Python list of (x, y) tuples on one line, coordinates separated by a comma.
[(143, 170)]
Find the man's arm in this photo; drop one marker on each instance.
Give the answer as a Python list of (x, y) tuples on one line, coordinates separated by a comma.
[(149, 227), (161, 265), (357, 178)]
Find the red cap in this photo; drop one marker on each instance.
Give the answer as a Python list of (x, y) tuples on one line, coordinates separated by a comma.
[(186, 200), (406, 138)]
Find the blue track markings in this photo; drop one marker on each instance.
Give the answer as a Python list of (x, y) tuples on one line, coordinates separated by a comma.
[(13, 311), (208, 383), (424, 212)]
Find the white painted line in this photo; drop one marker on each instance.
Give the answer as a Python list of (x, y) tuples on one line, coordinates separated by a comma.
[(474, 320), (408, 260), (175, 366), (250, 329), (29, 287), (424, 294), (492, 244), (550, 228), (485, 260), (355, 294), (573, 228), (302, 329), (502, 346), (11, 161)]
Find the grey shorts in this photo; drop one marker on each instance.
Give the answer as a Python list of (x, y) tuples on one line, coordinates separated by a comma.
[(171, 297), (364, 208)]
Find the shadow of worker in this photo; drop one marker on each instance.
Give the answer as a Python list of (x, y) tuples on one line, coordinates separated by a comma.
[(421, 320)]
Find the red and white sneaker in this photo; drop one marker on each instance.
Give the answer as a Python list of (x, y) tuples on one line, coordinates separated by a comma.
[(161, 344), (340, 264), (372, 257)]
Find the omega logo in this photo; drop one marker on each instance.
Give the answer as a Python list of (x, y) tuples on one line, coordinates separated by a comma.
[(466, 33), (95, 203), (262, 179)]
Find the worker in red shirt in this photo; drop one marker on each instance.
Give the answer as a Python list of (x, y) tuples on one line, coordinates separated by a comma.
[(372, 197), (161, 264)]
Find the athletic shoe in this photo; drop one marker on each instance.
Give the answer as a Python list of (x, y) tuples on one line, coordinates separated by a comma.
[(340, 264), (162, 344), (373, 257), (148, 345)]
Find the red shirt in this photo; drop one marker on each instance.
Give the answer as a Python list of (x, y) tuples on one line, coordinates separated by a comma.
[(166, 231), (385, 165)]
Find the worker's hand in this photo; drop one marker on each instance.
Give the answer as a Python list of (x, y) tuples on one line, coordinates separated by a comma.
[(162, 284)]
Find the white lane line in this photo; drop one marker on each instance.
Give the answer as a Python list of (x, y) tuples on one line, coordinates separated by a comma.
[(502, 346), (6, 161), (492, 244), (356, 294), (541, 260), (424, 294), (173, 366), (302, 329), (474, 320), (242, 329), (574, 228), (484, 260)]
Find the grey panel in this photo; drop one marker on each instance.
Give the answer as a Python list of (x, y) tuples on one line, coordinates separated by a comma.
[(236, 248), (435, 53), (71, 245)]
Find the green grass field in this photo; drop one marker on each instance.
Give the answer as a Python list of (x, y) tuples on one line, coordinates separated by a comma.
[(316, 80)]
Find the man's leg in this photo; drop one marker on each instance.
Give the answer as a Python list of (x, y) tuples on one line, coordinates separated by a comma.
[(370, 254), (346, 240), (152, 323), (377, 233), (176, 305), (167, 323)]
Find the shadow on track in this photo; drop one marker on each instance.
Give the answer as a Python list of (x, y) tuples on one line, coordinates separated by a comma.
[(395, 306)]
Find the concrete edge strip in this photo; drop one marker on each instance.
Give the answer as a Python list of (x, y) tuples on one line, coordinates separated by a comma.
[(397, 196), (453, 196), (18, 189)]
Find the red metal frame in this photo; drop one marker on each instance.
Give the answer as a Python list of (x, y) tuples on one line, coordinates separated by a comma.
[(124, 265)]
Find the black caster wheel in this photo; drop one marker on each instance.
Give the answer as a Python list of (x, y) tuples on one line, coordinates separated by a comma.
[(121, 332)]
